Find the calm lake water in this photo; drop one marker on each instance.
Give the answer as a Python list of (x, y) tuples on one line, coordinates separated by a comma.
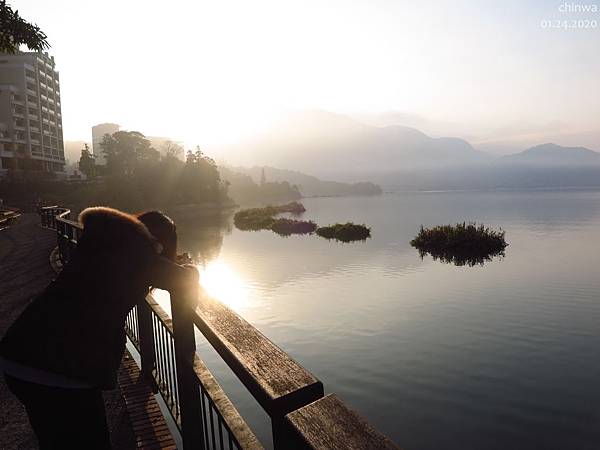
[(500, 356)]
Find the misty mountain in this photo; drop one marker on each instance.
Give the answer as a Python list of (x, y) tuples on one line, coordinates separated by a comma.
[(326, 144), (553, 155), (546, 166), (309, 185)]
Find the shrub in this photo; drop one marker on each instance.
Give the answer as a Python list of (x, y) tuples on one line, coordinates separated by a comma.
[(287, 227), (345, 232), (461, 244), (263, 219)]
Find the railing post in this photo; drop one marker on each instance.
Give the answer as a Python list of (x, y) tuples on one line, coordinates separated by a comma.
[(192, 433), (146, 341)]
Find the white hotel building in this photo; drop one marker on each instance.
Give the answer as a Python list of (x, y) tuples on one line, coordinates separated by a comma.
[(30, 113)]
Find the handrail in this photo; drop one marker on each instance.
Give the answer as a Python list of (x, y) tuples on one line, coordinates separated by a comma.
[(275, 380), (294, 399), (8, 215)]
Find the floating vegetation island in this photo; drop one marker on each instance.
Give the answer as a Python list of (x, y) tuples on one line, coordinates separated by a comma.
[(255, 219), (461, 244), (287, 227), (345, 232)]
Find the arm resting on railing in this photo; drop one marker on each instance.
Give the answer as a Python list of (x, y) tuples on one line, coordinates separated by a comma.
[(167, 275)]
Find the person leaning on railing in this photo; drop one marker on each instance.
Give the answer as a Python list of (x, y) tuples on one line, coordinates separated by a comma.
[(67, 345)]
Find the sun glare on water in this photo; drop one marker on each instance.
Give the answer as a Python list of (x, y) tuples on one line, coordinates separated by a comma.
[(224, 284)]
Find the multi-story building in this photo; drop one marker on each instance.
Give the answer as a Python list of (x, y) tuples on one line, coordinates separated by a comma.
[(31, 134), (98, 133)]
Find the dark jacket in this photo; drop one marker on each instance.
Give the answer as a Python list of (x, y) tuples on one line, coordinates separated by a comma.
[(75, 327)]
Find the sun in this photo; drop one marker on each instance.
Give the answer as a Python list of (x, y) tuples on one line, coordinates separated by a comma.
[(220, 282), (224, 284)]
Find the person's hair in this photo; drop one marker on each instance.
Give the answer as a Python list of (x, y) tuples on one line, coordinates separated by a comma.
[(163, 229)]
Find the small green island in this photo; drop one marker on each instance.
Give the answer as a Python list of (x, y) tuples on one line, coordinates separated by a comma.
[(345, 232), (461, 244), (255, 219)]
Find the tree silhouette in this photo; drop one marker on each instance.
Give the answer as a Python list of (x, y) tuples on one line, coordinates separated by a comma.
[(87, 163), (16, 31), (127, 152)]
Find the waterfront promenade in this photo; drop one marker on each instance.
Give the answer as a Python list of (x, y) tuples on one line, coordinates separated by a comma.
[(25, 270)]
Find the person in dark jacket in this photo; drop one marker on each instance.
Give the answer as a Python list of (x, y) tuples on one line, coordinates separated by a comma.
[(67, 345)]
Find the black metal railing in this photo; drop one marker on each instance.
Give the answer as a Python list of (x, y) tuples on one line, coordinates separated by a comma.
[(301, 416)]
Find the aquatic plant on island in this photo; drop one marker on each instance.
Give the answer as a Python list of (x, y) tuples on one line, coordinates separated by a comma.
[(292, 207), (255, 219), (461, 244), (345, 232), (287, 227)]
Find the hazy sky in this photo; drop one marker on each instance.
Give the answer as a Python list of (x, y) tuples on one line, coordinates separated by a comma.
[(210, 71)]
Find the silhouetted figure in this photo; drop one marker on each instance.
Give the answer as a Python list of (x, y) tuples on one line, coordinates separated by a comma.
[(67, 345)]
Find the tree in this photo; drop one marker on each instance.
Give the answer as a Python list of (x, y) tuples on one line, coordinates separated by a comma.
[(87, 163), (15, 31), (170, 149), (128, 152), (200, 180)]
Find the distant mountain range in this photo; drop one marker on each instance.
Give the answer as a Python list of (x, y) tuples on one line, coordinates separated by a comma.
[(337, 147), (327, 144), (552, 155)]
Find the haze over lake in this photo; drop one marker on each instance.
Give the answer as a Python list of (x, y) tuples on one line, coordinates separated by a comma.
[(499, 356)]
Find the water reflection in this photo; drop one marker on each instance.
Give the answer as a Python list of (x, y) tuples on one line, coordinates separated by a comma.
[(202, 237), (224, 284), (485, 356), (460, 258)]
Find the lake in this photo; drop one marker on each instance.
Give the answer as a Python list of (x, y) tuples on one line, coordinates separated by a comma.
[(499, 356)]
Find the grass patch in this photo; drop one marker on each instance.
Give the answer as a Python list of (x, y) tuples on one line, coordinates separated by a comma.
[(345, 232), (460, 244)]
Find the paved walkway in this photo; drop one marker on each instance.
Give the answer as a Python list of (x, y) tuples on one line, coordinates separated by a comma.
[(24, 272)]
